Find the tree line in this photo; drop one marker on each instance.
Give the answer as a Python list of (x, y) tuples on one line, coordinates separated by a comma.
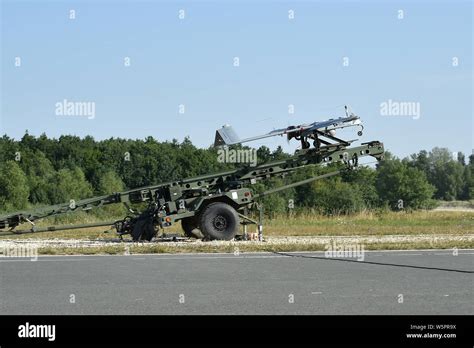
[(37, 171)]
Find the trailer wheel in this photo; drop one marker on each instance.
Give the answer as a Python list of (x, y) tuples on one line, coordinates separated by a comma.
[(143, 229), (190, 227), (219, 221)]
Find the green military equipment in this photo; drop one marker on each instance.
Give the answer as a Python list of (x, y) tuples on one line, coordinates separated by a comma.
[(209, 206)]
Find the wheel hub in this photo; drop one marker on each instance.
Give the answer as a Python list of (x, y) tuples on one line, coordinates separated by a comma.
[(219, 222)]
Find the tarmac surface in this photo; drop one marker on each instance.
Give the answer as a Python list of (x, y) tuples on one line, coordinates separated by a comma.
[(385, 282)]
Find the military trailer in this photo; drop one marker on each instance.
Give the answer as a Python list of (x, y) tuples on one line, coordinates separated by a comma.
[(208, 207)]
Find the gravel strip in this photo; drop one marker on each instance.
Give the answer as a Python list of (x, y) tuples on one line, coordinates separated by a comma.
[(75, 243)]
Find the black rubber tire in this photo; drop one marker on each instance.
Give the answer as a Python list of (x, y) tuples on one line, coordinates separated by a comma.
[(219, 221), (143, 229), (190, 227)]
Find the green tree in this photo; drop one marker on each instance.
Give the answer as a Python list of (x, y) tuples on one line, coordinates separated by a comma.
[(264, 154), (446, 174), (14, 189), (276, 203), (333, 197), (363, 180), (69, 184), (468, 189), (39, 172), (444, 171), (398, 183), (110, 182)]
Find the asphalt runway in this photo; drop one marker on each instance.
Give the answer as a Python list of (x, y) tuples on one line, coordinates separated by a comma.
[(386, 282)]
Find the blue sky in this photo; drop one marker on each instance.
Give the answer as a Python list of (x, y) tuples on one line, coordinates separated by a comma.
[(283, 61)]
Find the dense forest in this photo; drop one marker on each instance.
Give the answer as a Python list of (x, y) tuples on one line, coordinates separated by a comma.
[(38, 171)]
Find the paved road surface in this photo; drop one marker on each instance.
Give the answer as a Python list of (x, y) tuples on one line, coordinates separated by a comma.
[(261, 283)]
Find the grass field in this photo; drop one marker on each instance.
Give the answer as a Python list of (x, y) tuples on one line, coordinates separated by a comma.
[(367, 223), (423, 229)]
